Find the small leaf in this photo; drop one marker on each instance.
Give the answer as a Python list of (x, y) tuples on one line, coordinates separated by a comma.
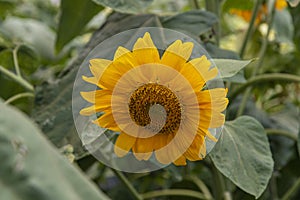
[(128, 6), (228, 68), (196, 22), (31, 168), (75, 14), (283, 26), (293, 3), (243, 155)]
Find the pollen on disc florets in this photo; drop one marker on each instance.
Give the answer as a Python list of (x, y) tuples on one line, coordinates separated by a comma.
[(151, 94)]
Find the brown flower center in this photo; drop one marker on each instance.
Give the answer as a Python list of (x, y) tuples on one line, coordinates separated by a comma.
[(162, 101)]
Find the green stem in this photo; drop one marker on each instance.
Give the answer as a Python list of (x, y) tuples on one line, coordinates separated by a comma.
[(221, 192), (214, 7), (251, 27), (15, 58), (265, 78), (195, 4), (292, 190), (126, 182), (201, 185), (19, 96), (173, 192), (282, 133), (18, 79), (260, 62)]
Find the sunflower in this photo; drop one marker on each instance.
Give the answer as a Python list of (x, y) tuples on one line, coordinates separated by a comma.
[(159, 104), (246, 14)]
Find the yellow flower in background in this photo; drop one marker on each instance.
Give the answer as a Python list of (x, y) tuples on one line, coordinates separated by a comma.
[(159, 104), (246, 14)]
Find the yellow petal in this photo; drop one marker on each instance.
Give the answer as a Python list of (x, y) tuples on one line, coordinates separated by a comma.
[(202, 64), (91, 80), (97, 66), (107, 121), (193, 152), (120, 52), (145, 51), (180, 161), (143, 148), (94, 96), (177, 54), (88, 111), (123, 144)]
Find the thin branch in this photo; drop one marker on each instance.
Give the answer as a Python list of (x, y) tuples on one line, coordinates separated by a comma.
[(19, 96), (126, 182), (282, 133), (294, 189), (18, 79), (173, 192), (265, 78), (16, 62)]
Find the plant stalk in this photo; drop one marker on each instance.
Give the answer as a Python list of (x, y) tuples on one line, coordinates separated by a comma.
[(129, 186), (173, 192), (18, 79)]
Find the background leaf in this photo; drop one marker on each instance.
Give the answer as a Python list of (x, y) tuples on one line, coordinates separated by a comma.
[(32, 169), (128, 6), (194, 22), (243, 155), (75, 14)]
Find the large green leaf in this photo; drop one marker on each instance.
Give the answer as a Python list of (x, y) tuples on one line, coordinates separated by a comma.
[(31, 168), (128, 6), (194, 22), (243, 155), (75, 14)]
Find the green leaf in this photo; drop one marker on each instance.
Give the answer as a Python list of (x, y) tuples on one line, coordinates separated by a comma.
[(243, 155), (236, 4), (31, 168), (293, 3), (194, 22), (31, 32), (283, 26), (228, 67), (128, 6), (75, 14), (5, 7)]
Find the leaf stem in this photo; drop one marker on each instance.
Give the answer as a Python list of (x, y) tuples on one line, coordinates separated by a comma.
[(214, 7), (260, 62), (16, 62), (221, 193), (251, 26), (173, 192), (126, 182), (196, 4), (282, 133), (18, 79), (201, 185), (292, 190), (265, 78), (18, 96)]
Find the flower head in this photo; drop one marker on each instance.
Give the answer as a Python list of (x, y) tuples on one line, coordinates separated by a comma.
[(158, 104)]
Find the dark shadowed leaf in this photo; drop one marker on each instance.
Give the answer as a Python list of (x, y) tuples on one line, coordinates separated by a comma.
[(194, 22), (243, 155), (75, 14), (128, 6), (31, 168)]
